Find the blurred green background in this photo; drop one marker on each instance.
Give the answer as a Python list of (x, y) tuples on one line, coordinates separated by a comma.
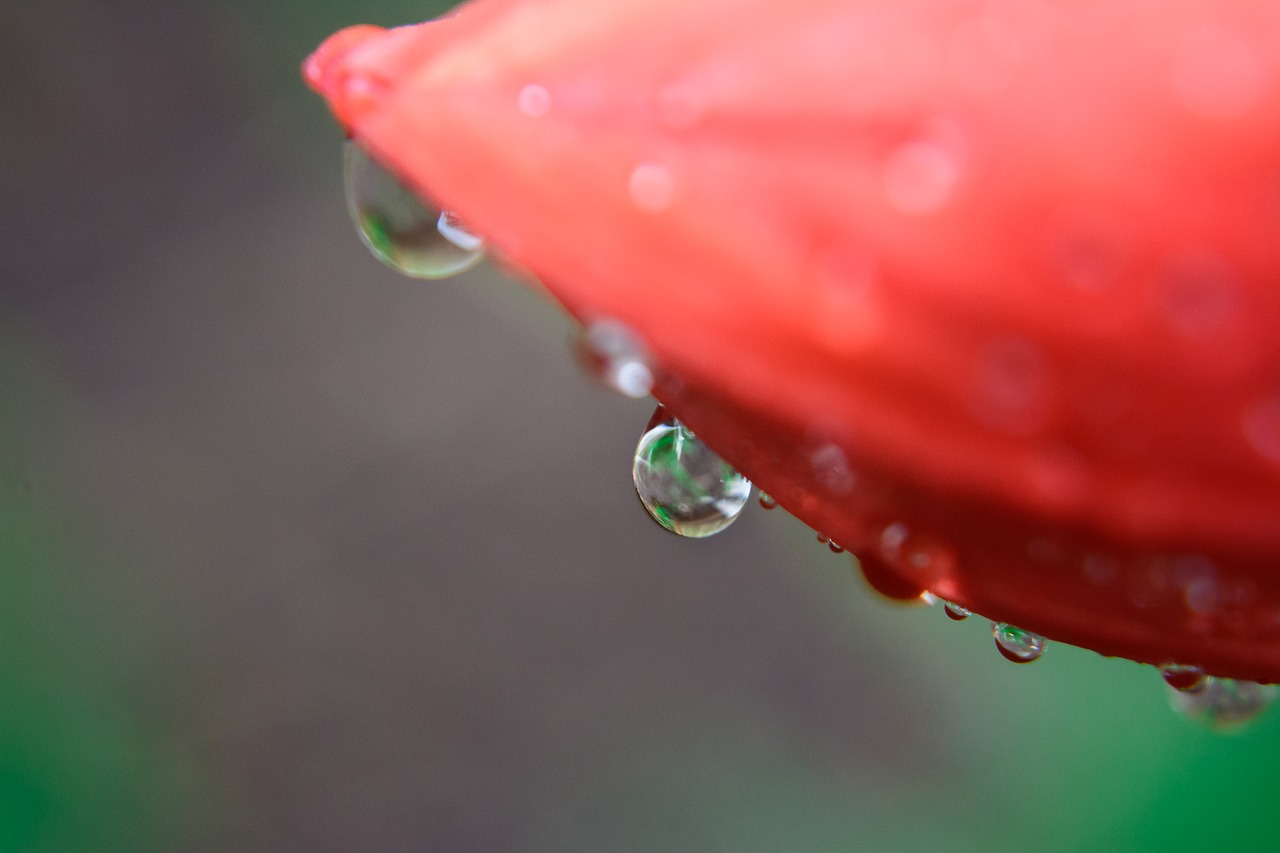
[(296, 554)]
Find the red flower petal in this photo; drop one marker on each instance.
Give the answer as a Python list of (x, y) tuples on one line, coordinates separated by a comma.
[(987, 294)]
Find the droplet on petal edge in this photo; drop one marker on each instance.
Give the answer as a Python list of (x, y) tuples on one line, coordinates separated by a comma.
[(1185, 678), (616, 357), (1016, 644), (767, 502), (399, 228), (955, 611), (1224, 704), (683, 484)]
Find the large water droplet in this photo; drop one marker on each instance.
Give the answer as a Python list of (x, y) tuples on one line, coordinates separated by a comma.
[(616, 356), (1224, 704), (683, 484), (1016, 644), (1185, 678), (399, 228)]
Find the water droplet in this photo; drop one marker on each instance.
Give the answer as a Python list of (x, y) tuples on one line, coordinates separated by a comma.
[(617, 357), (1224, 704), (682, 483), (1185, 678), (917, 552), (1198, 295), (920, 175), (1261, 424), (1013, 386), (399, 228), (1016, 644), (534, 101), (835, 548), (652, 187), (831, 468), (767, 502), (955, 611), (822, 539), (887, 581)]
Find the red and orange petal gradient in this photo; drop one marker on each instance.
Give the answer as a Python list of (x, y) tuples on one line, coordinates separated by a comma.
[(989, 293)]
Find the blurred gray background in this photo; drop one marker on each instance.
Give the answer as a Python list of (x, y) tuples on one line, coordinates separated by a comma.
[(296, 554)]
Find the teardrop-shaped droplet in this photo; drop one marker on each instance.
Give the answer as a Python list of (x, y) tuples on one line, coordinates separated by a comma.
[(955, 611), (683, 484), (1224, 704), (617, 357), (399, 228), (767, 502), (1185, 678), (1016, 644)]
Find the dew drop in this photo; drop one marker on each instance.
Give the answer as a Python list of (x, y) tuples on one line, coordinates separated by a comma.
[(955, 611), (1016, 644), (616, 356), (652, 187), (767, 502), (919, 176), (534, 100), (682, 483), (399, 228), (1224, 704), (831, 469), (1185, 678), (835, 547)]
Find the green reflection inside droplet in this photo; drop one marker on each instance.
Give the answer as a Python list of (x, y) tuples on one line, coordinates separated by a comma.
[(399, 228), (683, 484)]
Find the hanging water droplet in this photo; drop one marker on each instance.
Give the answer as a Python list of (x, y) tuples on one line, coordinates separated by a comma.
[(767, 502), (835, 547), (1223, 704), (955, 611), (615, 355), (1186, 678), (683, 484), (1016, 644), (399, 228), (822, 539)]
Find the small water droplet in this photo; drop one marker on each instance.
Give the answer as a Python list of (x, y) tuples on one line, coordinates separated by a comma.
[(919, 176), (616, 356), (1186, 678), (955, 611), (767, 502), (1016, 644), (534, 100), (822, 539), (831, 468), (835, 548), (682, 483), (1224, 704), (917, 552), (1260, 421), (1014, 386), (1198, 295), (652, 187), (399, 228)]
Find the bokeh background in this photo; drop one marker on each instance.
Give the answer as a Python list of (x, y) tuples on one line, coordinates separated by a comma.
[(296, 554)]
